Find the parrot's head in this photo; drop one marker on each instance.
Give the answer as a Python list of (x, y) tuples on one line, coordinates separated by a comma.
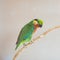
[(38, 22)]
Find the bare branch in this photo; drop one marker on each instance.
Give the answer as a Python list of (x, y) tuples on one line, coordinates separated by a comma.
[(35, 39)]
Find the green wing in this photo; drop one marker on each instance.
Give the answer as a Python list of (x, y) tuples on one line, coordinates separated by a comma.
[(25, 34)]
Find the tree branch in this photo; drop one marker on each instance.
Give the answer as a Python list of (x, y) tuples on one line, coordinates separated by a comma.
[(35, 39)]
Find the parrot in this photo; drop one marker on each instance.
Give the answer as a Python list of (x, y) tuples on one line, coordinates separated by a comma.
[(27, 31)]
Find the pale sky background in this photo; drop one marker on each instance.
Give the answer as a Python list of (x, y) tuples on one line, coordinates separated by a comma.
[(14, 14)]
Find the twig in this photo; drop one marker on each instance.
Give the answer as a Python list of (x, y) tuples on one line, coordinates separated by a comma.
[(43, 34)]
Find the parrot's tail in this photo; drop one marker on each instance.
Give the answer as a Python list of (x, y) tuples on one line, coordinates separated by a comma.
[(17, 45)]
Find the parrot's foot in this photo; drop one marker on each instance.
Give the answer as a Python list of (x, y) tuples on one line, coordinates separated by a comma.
[(31, 41), (25, 45)]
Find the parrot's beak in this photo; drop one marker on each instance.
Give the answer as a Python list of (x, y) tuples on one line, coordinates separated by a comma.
[(40, 25)]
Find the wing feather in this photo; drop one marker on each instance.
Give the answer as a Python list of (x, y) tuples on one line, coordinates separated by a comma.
[(25, 33)]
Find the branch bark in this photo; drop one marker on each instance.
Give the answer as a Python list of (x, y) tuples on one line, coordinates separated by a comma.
[(35, 39)]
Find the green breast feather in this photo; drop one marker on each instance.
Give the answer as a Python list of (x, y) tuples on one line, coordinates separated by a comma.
[(25, 34)]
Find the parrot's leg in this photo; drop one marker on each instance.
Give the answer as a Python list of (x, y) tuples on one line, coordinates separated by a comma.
[(24, 45), (31, 41)]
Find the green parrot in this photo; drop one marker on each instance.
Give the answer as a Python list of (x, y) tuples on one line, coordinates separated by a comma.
[(27, 31)]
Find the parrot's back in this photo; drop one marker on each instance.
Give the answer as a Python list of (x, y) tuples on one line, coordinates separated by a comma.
[(25, 33)]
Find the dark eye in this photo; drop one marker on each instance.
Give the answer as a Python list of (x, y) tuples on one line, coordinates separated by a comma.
[(40, 25)]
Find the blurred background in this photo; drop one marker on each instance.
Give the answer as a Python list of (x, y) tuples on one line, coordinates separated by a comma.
[(14, 14)]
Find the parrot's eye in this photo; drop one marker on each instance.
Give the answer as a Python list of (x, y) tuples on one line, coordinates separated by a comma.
[(35, 22)]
